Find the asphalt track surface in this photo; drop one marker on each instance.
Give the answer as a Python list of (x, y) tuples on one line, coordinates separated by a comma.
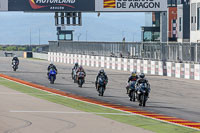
[(169, 96), (22, 113)]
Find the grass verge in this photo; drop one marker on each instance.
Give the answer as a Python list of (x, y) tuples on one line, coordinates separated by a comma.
[(134, 120)]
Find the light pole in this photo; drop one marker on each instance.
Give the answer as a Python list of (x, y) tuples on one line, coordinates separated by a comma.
[(123, 34), (39, 36), (30, 41), (78, 36)]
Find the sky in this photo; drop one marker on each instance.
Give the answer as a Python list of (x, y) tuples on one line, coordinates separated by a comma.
[(23, 28)]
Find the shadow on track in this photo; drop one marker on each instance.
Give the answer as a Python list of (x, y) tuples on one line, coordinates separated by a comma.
[(163, 107)]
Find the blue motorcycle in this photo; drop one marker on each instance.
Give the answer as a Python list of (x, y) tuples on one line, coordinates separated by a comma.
[(52, 76)]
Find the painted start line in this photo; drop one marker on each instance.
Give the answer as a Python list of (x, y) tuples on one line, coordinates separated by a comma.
[(159, 117)]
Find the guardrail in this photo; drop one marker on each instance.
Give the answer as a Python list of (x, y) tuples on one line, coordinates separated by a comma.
[(171, 69), (176, 52)]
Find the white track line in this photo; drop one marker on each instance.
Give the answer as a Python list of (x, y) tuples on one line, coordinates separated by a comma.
[(105, 106), (63, 112), (9, 93)]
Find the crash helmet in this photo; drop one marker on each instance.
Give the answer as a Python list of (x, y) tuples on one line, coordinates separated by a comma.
[(142, 75), (76, 64), (101, 71), (80, 67), (134, 73)]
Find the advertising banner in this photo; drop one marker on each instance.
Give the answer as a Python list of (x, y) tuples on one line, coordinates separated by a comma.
[(130, 5), (187, 71), (178, 70), (51, 5)]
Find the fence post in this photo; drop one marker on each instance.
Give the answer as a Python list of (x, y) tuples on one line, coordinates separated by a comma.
[(164, 58), (196, 53)]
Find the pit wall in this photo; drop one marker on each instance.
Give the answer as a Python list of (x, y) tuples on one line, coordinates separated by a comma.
[(171, 69), (40, 56), (17, 53)]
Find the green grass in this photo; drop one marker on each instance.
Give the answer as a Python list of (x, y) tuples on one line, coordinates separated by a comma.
[(134, 120)]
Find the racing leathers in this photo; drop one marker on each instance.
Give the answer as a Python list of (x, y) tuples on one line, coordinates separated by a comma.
[(140, 81), (104, 76), (131, 79), (51, 66), (16, 60)]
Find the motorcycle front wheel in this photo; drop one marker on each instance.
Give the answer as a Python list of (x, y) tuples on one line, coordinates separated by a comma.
[(143, 100), (51, 80), (80, 83), (133, 96), (101, 91)]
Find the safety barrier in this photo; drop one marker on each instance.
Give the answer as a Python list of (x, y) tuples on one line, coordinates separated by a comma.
[(42, 56), (171, 69)]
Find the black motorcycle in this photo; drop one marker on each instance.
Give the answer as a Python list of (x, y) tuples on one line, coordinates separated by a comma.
[(81, 78), (131, 91), (15, 65), (101, 84), (142, 94)]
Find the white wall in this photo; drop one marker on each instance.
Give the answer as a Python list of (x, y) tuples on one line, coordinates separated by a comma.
[(178, 70), (40, 56), (194, 35)]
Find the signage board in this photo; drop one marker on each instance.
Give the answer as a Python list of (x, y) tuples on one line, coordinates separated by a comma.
[(84, 5), (51, 5), (130, 5), (3, 5)]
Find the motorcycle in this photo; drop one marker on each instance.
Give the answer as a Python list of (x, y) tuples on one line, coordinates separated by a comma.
[(74, 75), (52, 76), (131, 88), (142, 94), (14, 65), (80, 78), (101, 85)]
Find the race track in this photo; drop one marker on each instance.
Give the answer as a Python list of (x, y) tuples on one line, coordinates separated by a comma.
[(22, 113), (169, 96)]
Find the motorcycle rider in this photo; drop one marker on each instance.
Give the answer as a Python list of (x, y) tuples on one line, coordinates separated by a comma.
[(76, 66), (80, 69), (16, 60), (133, 77), (142, 79), (101, 73), (51, 66)]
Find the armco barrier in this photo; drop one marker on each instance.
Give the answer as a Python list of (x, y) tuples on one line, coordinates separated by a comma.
[(178, 70)]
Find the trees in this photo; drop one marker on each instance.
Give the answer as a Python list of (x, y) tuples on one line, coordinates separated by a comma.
[(11, 48)]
